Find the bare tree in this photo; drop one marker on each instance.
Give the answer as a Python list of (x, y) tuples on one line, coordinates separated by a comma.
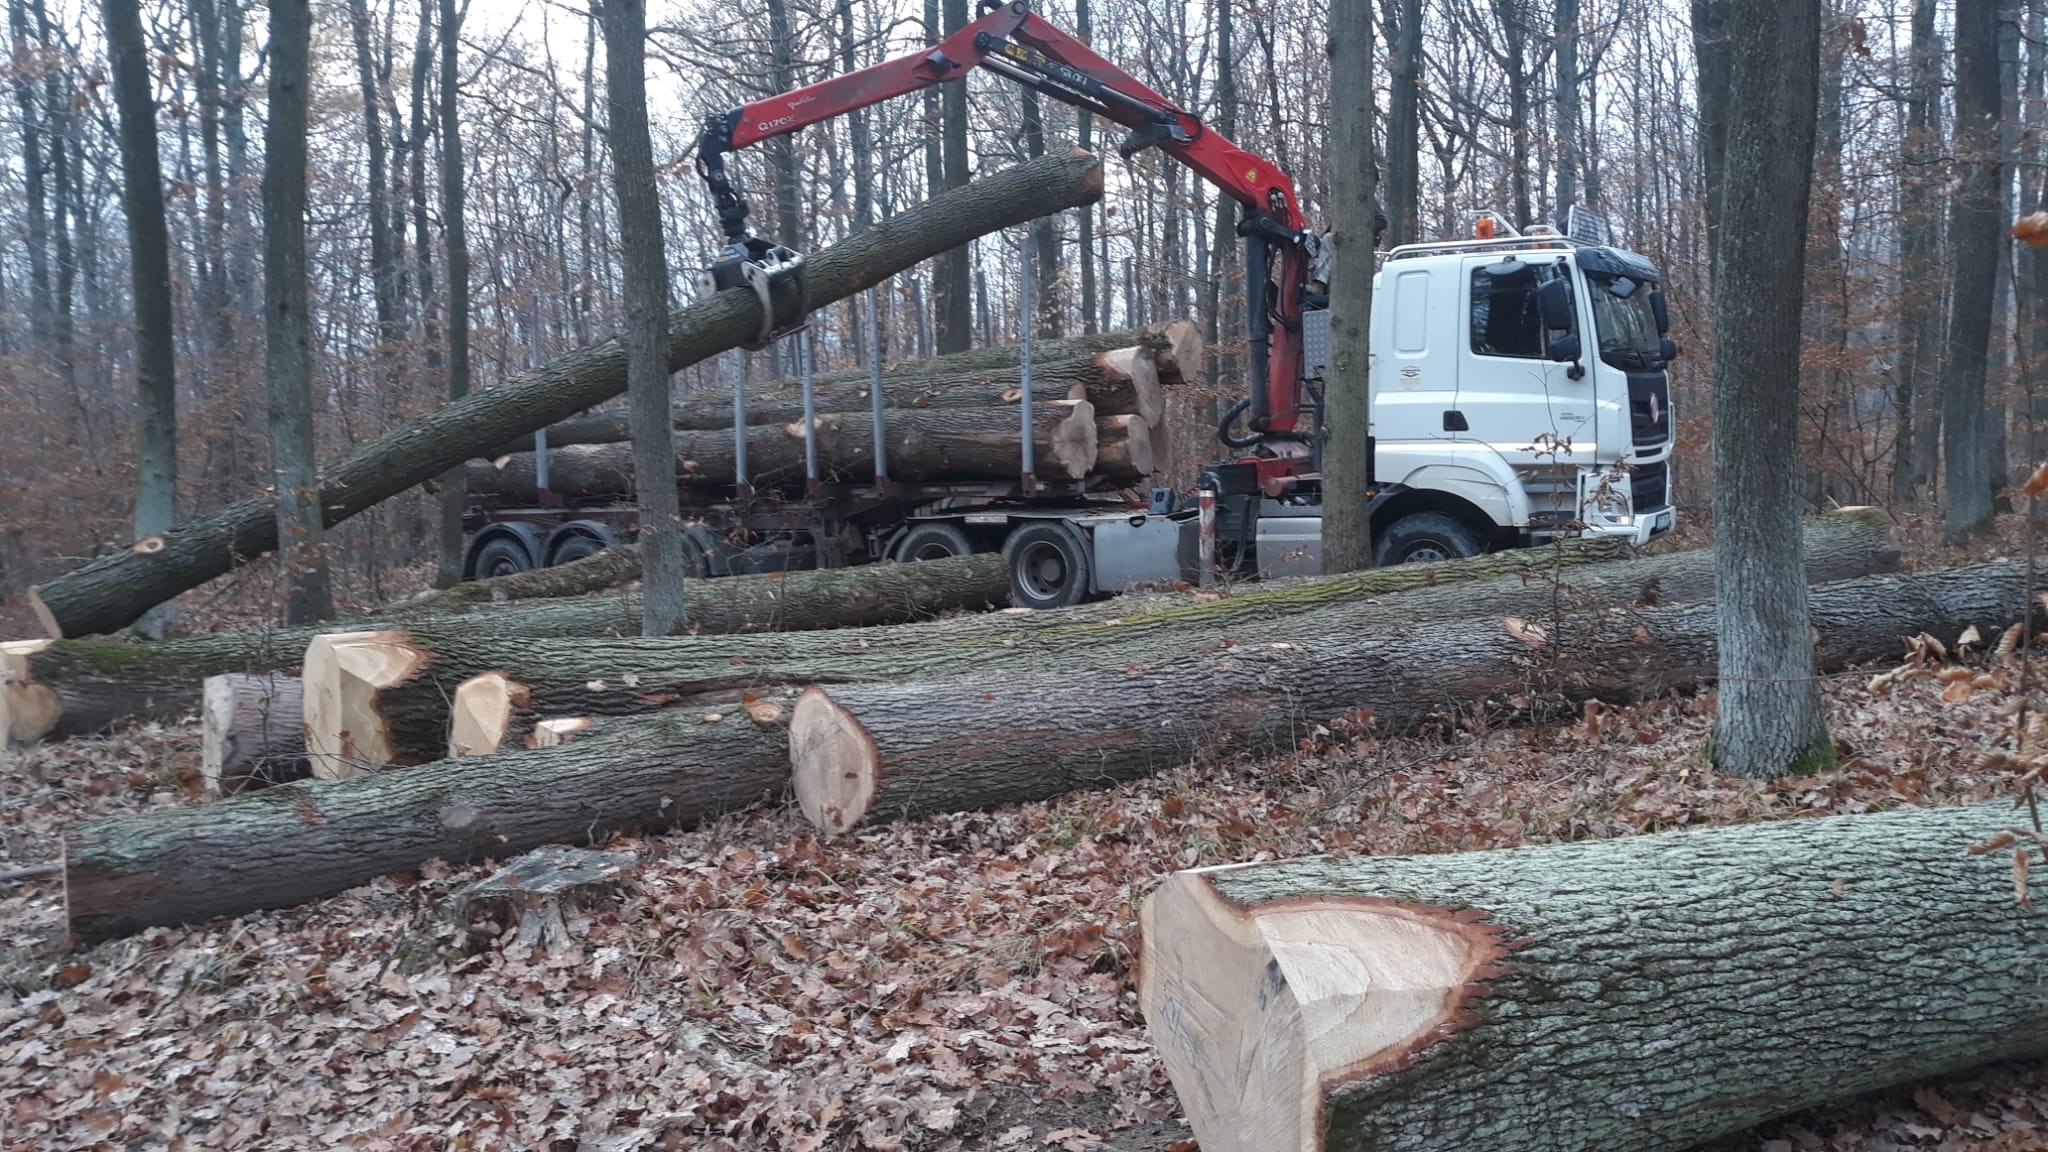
[(383, 248), (1566, 25), (1769, 721), (453, 225), (955, 287), (287, 326), (1404, 118), (646, 336), (1918, 396), (1347, 530), (1974, 224), (149, 256), (1085, 29)]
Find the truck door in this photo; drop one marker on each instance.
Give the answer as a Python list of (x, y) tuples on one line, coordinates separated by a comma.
[(1524, 413)]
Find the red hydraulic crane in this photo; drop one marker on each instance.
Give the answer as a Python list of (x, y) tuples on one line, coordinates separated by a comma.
[(1011, 40)]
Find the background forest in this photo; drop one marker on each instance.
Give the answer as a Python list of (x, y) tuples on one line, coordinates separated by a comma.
[(1514, 105)]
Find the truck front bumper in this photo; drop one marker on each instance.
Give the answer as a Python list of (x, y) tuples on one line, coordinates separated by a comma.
[(1637, 530)]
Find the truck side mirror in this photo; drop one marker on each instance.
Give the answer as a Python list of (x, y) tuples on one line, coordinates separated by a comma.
[(1554, 301), (1662, 313), (1565, 349), (1667, 348)]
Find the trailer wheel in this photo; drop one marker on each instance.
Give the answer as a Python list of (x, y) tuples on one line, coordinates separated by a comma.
[(573, 548), (501, 556), (1048, 566), (1425, 537), (933, 542)]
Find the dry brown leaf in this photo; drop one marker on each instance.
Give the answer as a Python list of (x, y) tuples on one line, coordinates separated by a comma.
[(2020, 859), (2038, 482), (1993, 843)]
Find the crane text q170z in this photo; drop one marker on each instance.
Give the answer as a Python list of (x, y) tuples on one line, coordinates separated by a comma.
[(1518, 386)]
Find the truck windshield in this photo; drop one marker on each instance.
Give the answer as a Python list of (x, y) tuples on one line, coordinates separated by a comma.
[(1623, 319)]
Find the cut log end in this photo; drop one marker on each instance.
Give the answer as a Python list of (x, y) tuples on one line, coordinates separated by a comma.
[(343, 673), (44, 616), (1186, 356), (556, 732), (28, 710), (1073, 442), (482, 713), (833, 763), (1260, 1013)]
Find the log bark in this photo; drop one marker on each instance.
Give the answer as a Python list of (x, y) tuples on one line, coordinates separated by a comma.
[(607, 569), (400, 716), (1645, 994), (301, 841), (252, 735), (892, 749), (112, 592), (349, 673), (53, 689), (941, 444)]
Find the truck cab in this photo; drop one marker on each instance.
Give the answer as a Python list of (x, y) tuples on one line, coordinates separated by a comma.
[(1519, 393)]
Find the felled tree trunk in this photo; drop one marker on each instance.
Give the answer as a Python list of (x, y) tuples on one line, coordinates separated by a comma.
[(298, 842), (1636, 995), (110, 593), (607, 569), (942, 444), (348, 674), (897, 748), (52, 689), (252, 735), (399, 714)]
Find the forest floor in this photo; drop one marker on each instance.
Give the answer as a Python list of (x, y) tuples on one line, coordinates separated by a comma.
[(958, 982)]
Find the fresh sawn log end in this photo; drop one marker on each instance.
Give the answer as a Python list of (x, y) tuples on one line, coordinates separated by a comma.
[(1262, 1014), (343, 673), (833, 762), (28, 710), (482, 713)]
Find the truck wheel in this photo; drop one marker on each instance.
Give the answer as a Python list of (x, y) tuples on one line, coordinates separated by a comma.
[(575, 548), (1424, 537), (1048, 566), (501, 556), (933, 542)]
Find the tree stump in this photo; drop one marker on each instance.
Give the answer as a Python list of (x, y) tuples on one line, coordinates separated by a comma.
[(547, 887)]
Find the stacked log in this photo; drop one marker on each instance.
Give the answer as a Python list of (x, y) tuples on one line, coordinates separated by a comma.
[(1649, 993), (111, 593), (391, 688)]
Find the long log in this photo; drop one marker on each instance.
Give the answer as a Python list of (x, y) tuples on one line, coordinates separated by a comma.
[(942, 444), (399, 714), (1645, 994), (607, 569), (111, 593), (298, 842), (885, 750), (52, 689), (251, 733)]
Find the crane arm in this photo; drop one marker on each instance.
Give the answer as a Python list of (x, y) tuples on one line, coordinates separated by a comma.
[(1011, 40)]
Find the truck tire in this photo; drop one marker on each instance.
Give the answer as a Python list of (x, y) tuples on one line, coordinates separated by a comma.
[(501, 556), (1049, 566), (933, 542), (573, 548), (1421, 537)]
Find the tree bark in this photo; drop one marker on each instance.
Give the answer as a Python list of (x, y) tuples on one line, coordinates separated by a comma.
[(944, 443), (149, 254), (299, 842), (607, 569), (1605, 994), (251, 733), (901, 747), (288, 326), (399, 682), (646, 282), (1975, 226), (111, 592), (1769, 721), (1347, 528), (1404, 132)]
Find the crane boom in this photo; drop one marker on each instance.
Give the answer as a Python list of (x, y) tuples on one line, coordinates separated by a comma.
[(1009, 39)]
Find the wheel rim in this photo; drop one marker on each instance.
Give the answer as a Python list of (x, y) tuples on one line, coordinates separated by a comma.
[(505, 566), (1426, 552), (1042, 571), (934, 550)]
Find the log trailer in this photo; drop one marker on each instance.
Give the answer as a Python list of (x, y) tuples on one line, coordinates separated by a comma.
[(1518, 381)]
